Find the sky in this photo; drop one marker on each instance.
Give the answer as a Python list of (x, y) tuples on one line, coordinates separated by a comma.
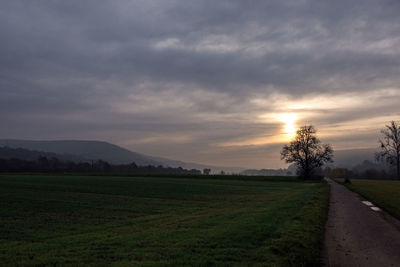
[(216, 82)]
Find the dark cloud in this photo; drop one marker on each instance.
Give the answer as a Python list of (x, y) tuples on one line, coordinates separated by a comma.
[(130, 70)]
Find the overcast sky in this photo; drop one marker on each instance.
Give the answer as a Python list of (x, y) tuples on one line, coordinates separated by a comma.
[(216, 82)]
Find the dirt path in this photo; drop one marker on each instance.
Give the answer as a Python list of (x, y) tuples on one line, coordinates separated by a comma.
[(356, 235)]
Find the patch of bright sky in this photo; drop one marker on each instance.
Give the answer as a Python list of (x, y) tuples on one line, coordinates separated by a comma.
[(291, 113), (281, 114)]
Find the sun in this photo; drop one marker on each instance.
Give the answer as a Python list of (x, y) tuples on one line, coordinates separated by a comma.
[(289, 120)]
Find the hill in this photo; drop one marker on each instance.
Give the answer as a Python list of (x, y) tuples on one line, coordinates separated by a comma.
[(87, 150), (32, 155), (94, 150)]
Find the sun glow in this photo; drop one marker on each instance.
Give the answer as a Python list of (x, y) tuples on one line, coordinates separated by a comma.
[(290, 127)]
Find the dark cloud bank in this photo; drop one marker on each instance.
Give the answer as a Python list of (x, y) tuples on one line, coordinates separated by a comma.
[(182, 79)]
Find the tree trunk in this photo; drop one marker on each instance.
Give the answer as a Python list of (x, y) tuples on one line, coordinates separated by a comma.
[(398, 167)]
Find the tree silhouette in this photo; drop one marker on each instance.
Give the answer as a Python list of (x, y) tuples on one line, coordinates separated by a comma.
[(307, 152), (390, 146), (206, 171)]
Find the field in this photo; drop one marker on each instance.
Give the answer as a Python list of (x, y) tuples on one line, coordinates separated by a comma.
[(150, 221), (385, 193)]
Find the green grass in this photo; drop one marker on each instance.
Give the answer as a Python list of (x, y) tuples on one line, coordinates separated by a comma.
[(385, 193), (151, 221), (286, 178), (300, 244)]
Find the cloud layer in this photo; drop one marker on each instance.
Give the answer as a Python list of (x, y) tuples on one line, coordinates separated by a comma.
[(203, 81)]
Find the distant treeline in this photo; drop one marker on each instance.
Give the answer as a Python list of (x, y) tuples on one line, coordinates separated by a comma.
[(24, 160), (54, 165), (267, 172), (365, 170), (32, 155)]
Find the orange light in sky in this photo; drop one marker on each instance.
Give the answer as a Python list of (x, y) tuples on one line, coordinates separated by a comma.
[(290, 127)]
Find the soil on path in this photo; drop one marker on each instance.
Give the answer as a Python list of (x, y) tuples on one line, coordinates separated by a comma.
[(356, 235)]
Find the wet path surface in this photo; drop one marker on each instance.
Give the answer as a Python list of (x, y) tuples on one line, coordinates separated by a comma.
[(357, 235)]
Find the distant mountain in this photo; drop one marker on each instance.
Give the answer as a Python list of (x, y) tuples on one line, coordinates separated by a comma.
[(88, 150), (32, 155), (94, 150)]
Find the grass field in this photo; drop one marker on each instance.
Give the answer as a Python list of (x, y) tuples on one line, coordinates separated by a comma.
[(147, 221), (385, 193)]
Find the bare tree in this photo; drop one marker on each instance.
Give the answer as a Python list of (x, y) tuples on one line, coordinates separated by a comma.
[(390, 146), (307, 152), (206, 171)]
